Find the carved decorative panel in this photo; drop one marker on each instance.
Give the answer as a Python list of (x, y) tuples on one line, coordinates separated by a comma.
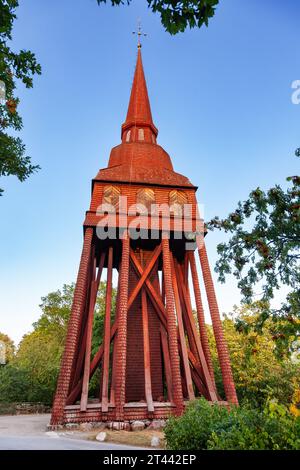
[(177, 200), (145, 197), (111, 195)]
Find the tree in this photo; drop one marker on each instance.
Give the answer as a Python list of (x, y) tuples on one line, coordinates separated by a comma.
[(177, 15), (9, 347), (14, 384), (32, 373), (56, 308), (13, 66), (259, 374), (206, 426), (263, 251)]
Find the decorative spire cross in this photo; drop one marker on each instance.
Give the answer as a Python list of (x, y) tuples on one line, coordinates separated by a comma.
[(139, 33)]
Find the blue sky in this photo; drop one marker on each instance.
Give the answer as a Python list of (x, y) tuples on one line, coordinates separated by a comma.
[(220, 96)]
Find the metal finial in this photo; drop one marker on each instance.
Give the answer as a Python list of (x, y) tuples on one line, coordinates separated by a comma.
[(139, 33)]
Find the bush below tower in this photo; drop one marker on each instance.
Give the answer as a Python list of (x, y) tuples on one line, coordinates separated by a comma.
[(212, 427)]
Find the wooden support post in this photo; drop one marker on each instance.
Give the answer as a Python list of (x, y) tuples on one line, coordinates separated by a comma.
[(64, 379), (163, 294), (88, 334), (150, 288), (147, 363), (209, 383), (153, 294), (186, 270), (88, 343), (106, 339), (201, 317), (94, 364), (115, 346), (186, 322), (172, 329), (79, 359), (144, 276), (186, 365), (122, 330), (167, 363), (222, 349), (199, 373)]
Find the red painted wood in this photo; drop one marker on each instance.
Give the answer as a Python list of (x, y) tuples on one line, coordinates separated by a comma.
[(144, 276), (138, 163), (172, 329), (167, 363), (89, 332), (115, 346), (122, 330), (106, 340), (64, 379), (200, 315), (94, 364), (147, 364), (154, 296), (208, 380), (185, 360), (222, 348)]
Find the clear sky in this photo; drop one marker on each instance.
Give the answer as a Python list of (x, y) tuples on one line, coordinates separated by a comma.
[(220, 96)]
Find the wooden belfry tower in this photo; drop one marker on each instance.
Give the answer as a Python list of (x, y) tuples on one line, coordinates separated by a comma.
[(155, 354)]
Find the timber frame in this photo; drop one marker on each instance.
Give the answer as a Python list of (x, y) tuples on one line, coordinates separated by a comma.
[(187, 363)]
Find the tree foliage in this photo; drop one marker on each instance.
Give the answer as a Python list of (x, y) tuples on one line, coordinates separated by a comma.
[(177, 15), (263, 253), (212, 427), (259, 373), (9, 346), (34, 369), (13, 66)]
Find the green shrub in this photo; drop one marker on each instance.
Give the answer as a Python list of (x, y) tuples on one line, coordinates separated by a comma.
[(206, 426), (14, 384), (7, 408), (192, 430)]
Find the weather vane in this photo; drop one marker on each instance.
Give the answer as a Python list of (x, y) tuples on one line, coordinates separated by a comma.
[(139, 33)]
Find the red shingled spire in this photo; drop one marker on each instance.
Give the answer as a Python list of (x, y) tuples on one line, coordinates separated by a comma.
[(139, 124)]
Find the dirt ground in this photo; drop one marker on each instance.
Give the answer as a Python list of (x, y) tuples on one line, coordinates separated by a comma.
[(137, 438)]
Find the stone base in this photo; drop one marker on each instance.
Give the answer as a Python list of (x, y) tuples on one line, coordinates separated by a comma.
[(136, 417), (132, 412)]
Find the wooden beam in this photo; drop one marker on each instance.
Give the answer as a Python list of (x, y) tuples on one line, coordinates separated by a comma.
[(186, 270), (221, 344), (106, 340), (122, 329), (199, 384), (163, 293), (80, 359), (94, 364), (167, 363), (82, 352), (172, 328), (147, 362), (73, 334), (154, 296), (144, 275), (191, 340), (88, 339), (199, 373), (80, 349), (208, 380), (185, 360), (115, 346), (200, 315)]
